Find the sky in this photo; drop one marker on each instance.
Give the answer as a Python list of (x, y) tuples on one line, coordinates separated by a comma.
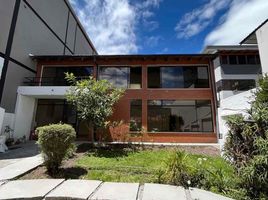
[(167, 26)]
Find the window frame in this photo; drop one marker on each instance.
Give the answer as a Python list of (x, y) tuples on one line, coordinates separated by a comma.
[(183, 132), (137, 99), (180, 65), (121, 66), (60, 66)]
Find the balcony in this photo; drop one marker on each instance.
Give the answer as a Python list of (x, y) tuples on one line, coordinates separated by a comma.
[(48, 81)]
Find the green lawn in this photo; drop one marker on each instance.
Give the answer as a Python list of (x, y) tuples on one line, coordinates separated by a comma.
[(132, 166)]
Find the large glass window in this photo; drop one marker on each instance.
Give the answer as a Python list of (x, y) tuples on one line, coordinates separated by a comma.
[(233, 60), (54, 111), (179, 116), (55, 76), (240, 59), (135, 115), (123, 77), (240, 85), (178, 77)]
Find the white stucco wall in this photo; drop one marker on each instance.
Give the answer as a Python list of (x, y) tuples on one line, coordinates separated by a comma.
[(2, 115), (43, 92), (236, 104), (26, 105), (8, 121), (262, 38), (23, 116)]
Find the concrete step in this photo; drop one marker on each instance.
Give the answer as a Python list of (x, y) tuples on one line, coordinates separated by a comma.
[(49, 189)]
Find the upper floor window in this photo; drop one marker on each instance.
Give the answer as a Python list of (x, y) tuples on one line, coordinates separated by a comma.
[(178, 77), (123, 77), (236, 85), (55, 76), (240, 59)]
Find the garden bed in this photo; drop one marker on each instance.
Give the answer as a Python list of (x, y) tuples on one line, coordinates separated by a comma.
[(118, 163)]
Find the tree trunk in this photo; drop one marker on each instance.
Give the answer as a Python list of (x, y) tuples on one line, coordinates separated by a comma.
[(90, 128)]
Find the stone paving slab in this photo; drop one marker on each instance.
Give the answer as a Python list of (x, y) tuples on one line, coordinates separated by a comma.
[(20, 167), (28, 189), (163, 192), (198, 194), (74, 189), (116, 191)]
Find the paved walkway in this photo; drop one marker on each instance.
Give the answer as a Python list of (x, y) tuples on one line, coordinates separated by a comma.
[(19, 160), (96, 190)]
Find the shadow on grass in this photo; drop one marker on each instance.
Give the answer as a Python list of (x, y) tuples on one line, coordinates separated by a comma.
[(108, 152), (70, 173)]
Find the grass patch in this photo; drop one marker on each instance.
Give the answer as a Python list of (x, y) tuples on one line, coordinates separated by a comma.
[(126, 165)]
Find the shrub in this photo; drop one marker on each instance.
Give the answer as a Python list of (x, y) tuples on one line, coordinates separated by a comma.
[(212, 174), (55, 140), (178, 171), (255, 173), (247, 145)]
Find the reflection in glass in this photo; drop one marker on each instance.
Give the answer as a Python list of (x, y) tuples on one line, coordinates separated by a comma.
[(179, 116), (122, 77), (178, 77), (55, 76), (135, 115), (118, 76)]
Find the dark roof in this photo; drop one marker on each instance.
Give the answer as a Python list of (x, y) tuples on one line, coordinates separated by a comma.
[(253, 32), (211, 49), (137, 56)]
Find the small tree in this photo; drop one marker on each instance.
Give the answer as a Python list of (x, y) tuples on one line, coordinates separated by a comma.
[(93, 100)]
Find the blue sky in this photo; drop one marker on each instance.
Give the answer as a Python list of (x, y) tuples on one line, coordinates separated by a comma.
[(167, 26)]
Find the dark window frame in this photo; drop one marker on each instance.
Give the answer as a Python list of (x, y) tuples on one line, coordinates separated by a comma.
[(179, 88), (256, 60), (211, 113), (128, 74), (235, 84), (137, 126), (55, 80)]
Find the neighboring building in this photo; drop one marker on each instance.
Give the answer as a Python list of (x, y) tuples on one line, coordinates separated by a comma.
[(34, 27), (260, 37), (237, 70), (171, 96)]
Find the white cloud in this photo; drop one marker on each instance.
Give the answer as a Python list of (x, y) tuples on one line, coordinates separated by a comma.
[(240, 20), (111, 24), (145, 15), (152, 41), (197, 20)]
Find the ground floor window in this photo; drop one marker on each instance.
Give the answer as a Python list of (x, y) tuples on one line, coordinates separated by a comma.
[(135, 115), (54, 111), (179, 116)]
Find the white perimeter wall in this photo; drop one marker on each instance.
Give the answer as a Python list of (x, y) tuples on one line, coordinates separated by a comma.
[(236, 104), (262, 38), (23, 116)]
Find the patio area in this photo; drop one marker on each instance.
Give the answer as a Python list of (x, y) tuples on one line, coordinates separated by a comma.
[(19, 159)]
